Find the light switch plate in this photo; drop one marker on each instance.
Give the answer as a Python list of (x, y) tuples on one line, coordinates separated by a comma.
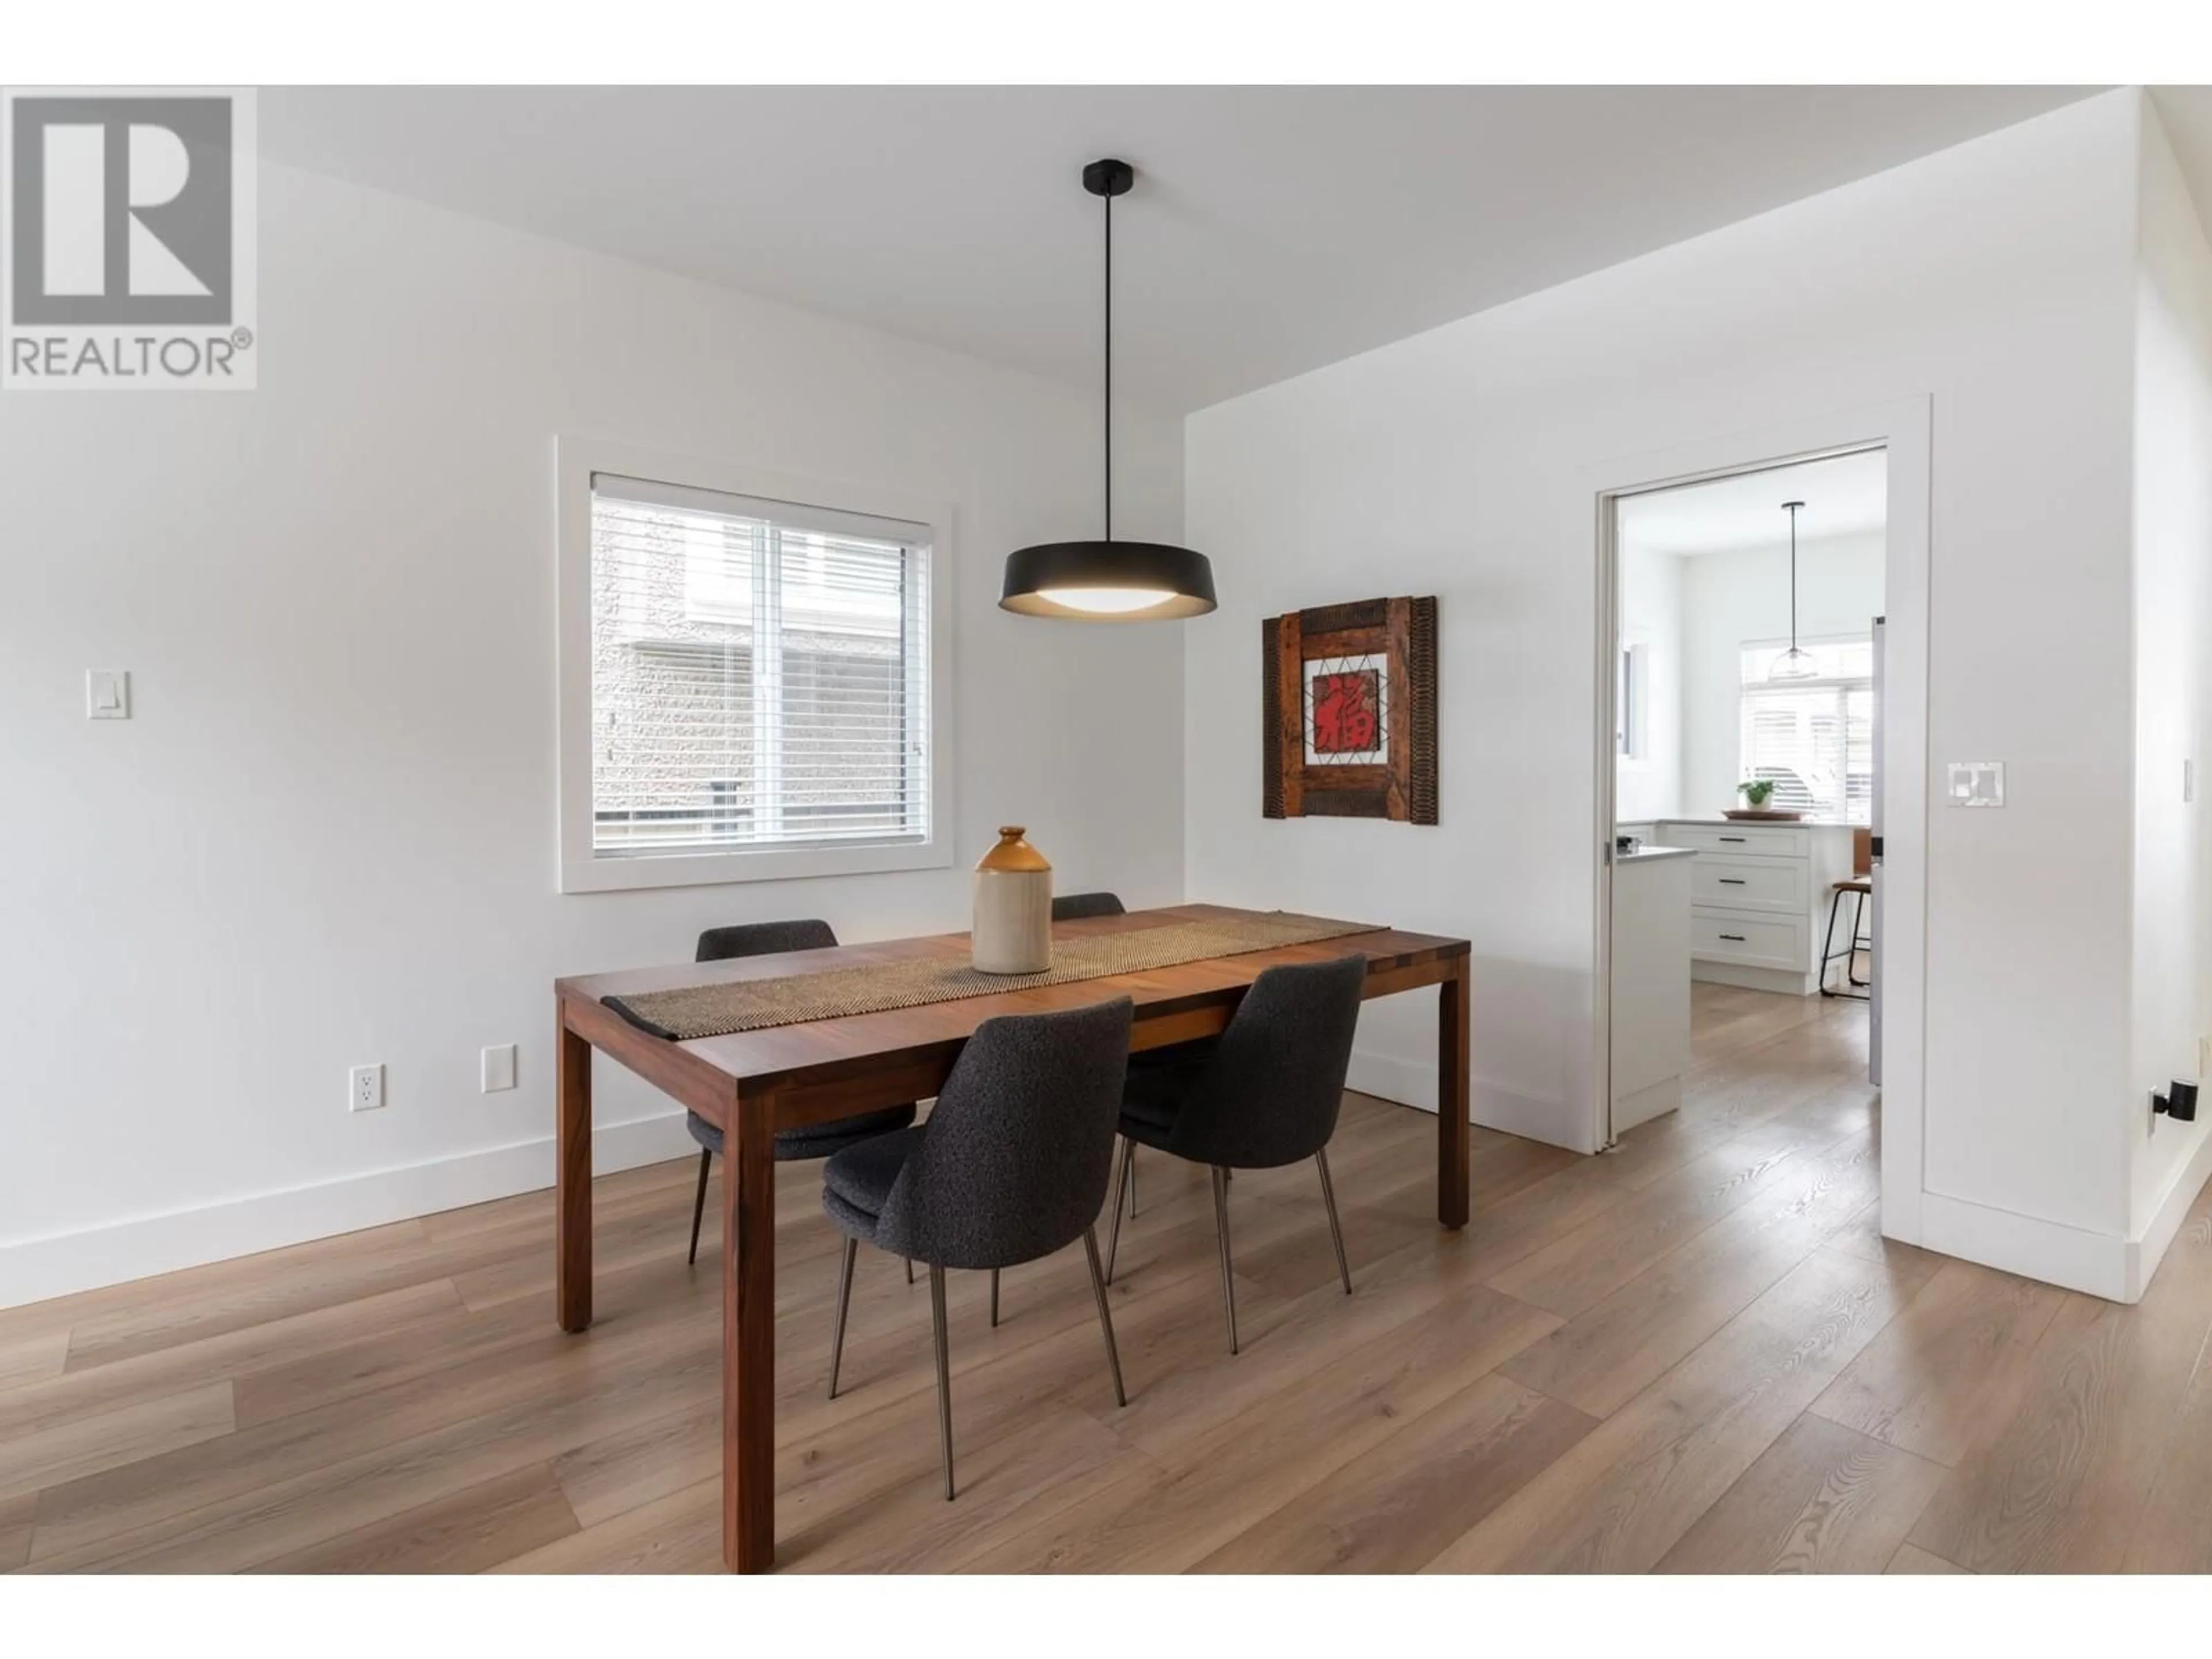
[(498, 1068), (107, 693), (1976, 783)]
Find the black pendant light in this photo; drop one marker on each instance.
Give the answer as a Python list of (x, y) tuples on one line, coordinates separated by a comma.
[(1793, 664), (1107, 581)]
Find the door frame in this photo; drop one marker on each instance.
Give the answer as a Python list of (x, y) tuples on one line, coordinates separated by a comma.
[(1902, 430)]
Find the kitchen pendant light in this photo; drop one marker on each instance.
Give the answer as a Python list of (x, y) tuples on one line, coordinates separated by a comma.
[(1107, 581), (1793, 664)]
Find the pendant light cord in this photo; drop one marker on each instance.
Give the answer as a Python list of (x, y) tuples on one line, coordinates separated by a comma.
[(1110, 368), (1793, 582)]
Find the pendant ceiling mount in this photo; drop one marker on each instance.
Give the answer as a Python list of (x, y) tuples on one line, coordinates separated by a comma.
[(1109, 178), (1107, 581)]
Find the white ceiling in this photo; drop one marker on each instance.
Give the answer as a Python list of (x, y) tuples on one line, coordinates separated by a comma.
[(1272, 229), (1845, 496)]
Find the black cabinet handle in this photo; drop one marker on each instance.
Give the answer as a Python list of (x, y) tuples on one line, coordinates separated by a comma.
[(1738, 937), (1731, 881), (1735, 838)]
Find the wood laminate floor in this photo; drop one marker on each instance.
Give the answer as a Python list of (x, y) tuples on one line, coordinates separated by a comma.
[(1694, 1354)]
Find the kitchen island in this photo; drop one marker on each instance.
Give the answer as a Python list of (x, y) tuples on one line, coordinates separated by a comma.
[(1649, 1003), (1759, 892)]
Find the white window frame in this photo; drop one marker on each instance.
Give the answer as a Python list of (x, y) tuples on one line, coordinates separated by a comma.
[(1631, 695), (580, 868)]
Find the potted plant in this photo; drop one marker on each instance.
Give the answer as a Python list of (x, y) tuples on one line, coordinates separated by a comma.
[(1756, 793)]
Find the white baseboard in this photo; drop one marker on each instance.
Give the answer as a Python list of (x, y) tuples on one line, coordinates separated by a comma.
[(1413, 1083), (1661, 1098), (2096, 1263), (2099, 1264), (1388, 1077), (34, 1269), (1780, 981), (2145, 1254)]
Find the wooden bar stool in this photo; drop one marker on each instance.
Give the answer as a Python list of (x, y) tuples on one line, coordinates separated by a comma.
[(1860, 887)]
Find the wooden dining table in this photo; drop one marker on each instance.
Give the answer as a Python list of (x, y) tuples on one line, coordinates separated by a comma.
[(750, 1084)]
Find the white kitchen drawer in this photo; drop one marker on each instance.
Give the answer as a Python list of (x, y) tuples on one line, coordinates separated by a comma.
[(1753, 940), (1750, 884), (1756, 840)]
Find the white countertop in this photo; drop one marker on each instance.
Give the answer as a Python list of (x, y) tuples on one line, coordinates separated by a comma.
[(1756, 824), (1647, 853)]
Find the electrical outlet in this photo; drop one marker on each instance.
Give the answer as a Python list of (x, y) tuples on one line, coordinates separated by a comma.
[(365, 1088), (498, 1068)]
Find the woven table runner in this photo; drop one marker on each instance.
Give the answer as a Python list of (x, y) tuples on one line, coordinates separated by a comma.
[(753, 1005)]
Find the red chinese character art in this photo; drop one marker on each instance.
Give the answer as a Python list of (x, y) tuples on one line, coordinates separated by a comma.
[(1343, 713)]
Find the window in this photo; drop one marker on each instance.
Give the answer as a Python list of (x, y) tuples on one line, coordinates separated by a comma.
[(757, 680), (1814, 738)]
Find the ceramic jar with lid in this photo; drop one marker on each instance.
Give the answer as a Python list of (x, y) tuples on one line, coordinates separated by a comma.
[(1014, 907)]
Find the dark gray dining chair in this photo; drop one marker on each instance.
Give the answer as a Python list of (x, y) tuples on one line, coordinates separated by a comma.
[(1076, 907), (1266, 1096), (762, 939), (1011, 1167)]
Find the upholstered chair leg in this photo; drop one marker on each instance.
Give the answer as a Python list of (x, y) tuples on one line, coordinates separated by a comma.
[(1120, 1185), (1133, 1180), (699, 1202), (844, 1301), (1221, 1226), (944, 1373), (910, 1269), (995, 1298), (1336, 1228), (1105, 1316)]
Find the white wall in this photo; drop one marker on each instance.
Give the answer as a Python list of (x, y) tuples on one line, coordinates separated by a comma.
[(327, 835), (1650, 785), (1996, 278), (1730, 599), (2172, 502)]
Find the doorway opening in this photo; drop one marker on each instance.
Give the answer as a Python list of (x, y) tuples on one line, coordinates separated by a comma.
[(1751, 726)]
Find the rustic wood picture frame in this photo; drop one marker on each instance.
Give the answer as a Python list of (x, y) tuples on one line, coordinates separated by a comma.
[(1402, 633)]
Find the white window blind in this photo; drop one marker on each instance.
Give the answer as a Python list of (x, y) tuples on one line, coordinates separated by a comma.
[(760, 673), (1813, 739)]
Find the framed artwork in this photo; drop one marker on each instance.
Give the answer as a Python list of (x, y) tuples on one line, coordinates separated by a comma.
[(1349, 706)]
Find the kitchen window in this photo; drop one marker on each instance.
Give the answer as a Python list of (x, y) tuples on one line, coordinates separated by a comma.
[(1813, 739), (1628, 703), (750, 679)]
